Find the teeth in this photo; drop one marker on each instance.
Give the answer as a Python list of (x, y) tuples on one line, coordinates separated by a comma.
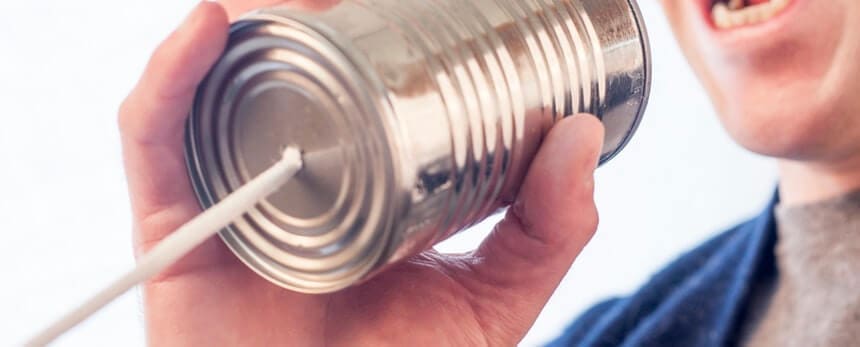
[(735, 13), (736, 4)]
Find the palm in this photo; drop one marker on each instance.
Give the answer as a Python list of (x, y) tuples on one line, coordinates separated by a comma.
[(413, 302), (490, 296)]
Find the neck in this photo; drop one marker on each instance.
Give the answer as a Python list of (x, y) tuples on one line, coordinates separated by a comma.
[(808, 182)]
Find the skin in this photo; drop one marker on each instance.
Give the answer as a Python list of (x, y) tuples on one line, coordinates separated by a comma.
[(487, 297), (786, 89)]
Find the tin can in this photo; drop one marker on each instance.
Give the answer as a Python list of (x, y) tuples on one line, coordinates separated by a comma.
[(417, 118)]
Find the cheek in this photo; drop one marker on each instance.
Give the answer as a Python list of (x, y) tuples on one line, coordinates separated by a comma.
[(796, 130), (788, 98), (794, 96), (796, 116)]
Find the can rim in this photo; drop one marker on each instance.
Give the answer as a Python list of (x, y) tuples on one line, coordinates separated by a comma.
[(262, 264), (645, 44)]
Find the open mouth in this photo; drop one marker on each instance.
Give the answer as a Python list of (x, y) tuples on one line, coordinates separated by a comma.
[(728, 14)]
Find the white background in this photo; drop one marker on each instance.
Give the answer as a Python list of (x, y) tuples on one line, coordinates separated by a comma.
[(64, 217)]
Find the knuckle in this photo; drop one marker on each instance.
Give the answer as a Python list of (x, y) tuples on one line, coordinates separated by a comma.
[(591, 219), (584, 191), (127, 118), (162, 53), (517, 213), (124, 115), (586, 225)]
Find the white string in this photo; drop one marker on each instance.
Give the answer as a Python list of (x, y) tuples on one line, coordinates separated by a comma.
[(180, 242)]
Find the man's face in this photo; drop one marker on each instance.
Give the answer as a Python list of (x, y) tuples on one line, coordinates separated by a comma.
[(784, 75)]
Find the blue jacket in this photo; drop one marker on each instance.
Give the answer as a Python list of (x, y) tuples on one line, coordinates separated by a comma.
[(698, 300)]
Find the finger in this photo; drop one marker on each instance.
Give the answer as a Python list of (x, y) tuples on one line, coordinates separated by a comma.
[(237, 8), (523, 260), (314, 4), (155, 111), (152, 121)]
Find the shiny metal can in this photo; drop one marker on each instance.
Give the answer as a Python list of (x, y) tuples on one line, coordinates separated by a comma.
[(417, 118)]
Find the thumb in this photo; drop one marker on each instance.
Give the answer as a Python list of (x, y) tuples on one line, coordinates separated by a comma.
[(522, 262)]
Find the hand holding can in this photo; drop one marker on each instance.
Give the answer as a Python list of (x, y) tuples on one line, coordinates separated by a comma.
[(491, 296), (416, 118)]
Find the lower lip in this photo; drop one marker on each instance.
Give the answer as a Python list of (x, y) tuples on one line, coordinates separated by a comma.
[(770, 28)]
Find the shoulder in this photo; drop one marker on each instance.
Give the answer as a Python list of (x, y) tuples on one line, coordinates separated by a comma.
[(685, 297)]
